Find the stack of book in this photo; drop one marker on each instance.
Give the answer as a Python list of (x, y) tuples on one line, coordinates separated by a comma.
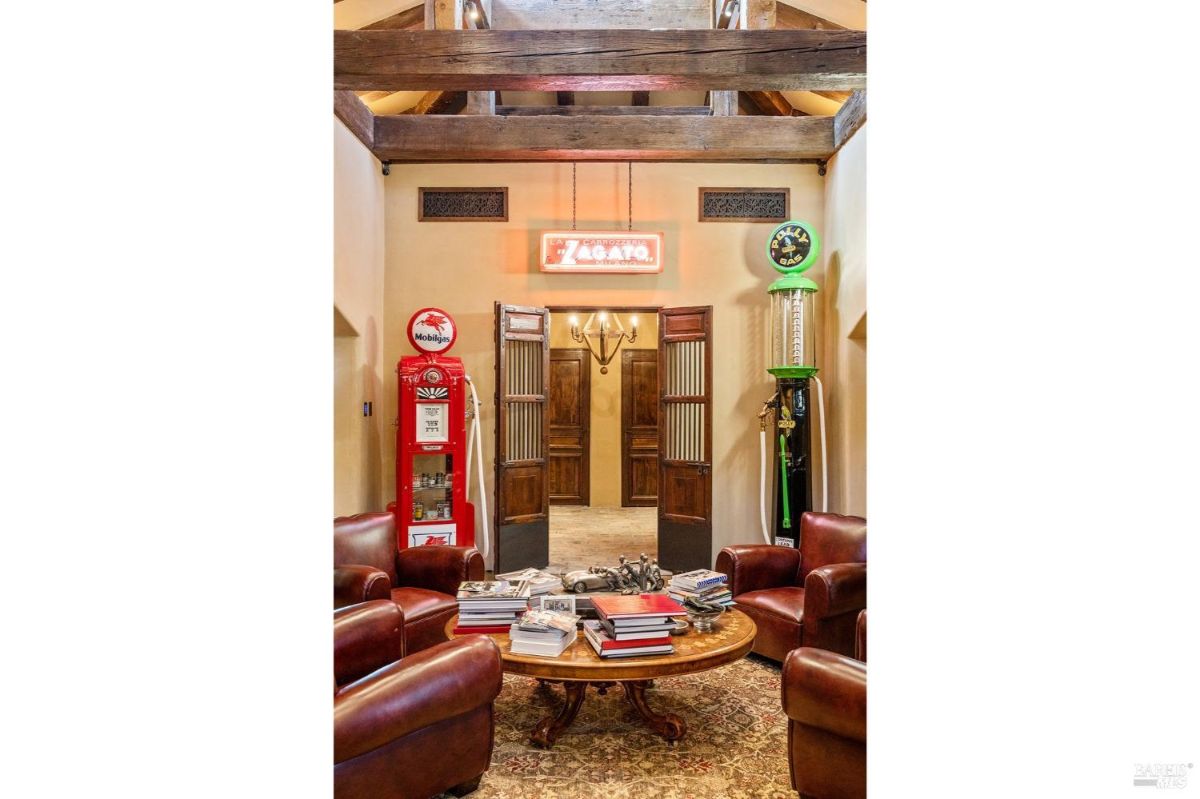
[(543, 632), (540, 582), (490, 606), (632, 625), (703, 585)]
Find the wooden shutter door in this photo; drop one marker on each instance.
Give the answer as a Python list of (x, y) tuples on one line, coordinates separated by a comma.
[(685, 438), (522, 489)]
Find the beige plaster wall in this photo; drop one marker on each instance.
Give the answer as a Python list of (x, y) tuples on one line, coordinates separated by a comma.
[(465, 267), (604, 477), (843, 296), (358, 323)]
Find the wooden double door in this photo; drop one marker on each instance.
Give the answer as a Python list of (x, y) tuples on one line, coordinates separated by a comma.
[(543, 434), (569, 422)]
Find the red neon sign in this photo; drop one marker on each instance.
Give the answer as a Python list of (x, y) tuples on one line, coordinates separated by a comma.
[(602, 252)]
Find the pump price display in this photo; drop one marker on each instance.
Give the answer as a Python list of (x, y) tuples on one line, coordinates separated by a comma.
[(602, 252), (431, 421)]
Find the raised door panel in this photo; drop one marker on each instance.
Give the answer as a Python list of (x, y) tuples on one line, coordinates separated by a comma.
[(639, 428), (568, 418)]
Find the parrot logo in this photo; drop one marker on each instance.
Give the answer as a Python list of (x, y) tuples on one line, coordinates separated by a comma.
[(436, 321)]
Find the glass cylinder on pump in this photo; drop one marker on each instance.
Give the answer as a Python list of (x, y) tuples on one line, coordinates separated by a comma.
[(793, 327)]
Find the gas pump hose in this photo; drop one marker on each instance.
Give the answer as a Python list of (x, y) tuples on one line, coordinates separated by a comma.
[(485, 541)]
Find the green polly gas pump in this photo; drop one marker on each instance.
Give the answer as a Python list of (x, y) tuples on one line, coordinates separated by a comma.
[(792, 249)]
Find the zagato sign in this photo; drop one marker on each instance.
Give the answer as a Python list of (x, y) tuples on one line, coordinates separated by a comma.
[(602, 252)]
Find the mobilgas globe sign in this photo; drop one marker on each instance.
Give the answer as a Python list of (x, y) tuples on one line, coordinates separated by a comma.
[(432, 331)]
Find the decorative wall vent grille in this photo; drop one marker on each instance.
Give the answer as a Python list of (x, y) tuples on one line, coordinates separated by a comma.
[(745, 205), (463, 205)]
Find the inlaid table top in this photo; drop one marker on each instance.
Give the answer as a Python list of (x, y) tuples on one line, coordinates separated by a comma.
[(731, 638)]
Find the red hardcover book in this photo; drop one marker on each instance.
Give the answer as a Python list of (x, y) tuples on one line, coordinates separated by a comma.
[(488, 630), (607, 646), (636, 606)]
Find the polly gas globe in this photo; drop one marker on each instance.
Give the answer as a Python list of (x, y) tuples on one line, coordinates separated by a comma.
[(793, 248)]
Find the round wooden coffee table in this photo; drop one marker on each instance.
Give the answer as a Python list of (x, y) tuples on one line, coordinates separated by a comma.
[(730, 640)]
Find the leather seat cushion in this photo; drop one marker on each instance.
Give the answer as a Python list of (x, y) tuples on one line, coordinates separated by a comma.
[(786, 603), (779, 615), (420, 603)]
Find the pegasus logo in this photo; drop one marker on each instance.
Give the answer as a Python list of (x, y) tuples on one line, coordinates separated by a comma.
[(435, 540), (434, 320)]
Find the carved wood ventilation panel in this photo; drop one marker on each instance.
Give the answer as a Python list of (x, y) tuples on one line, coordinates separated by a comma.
[(462, 205), (745, 205)]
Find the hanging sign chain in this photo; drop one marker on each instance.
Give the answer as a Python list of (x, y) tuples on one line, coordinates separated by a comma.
[(630, 193), (572, 195)]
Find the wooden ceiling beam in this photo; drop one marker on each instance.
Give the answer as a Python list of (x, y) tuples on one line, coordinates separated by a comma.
[(602, 138), (823, 14), (602, 110), (770, 103), (791, 18), (851, 117), (600, 60), (356, 116), (412, 19)]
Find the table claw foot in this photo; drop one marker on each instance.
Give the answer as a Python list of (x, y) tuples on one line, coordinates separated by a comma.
[(668, 725), (546, 731)]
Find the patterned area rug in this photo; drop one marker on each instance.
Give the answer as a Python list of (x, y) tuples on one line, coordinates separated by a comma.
[(735, 747)]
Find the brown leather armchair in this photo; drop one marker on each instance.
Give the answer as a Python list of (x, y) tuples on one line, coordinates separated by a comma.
[(408, 727), (803, 597), (423, 581), (825, 699)]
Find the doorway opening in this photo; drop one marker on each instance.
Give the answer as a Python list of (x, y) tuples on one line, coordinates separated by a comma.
[(602, 424), (597, 443)]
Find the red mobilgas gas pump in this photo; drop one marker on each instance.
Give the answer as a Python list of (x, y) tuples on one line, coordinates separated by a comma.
[(432, 446)]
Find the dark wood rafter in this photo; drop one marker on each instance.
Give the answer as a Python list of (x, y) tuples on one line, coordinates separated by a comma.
[(850, 117), (356, 116), (440, 103), (592, 60), (791, 18), (770, 103), (412, 19), (601, 110), (602, 138)]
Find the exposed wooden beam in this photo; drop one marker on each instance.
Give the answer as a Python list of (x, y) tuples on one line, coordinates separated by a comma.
[(790, 18), (443, 14), (356, 116), (758, 14), (771, 103), (412, 19), (724, 104), (597, 60), (850, 14), (440, 103), (480, 103), (602, 110), (849, 119), (602, 138), (839, 97)]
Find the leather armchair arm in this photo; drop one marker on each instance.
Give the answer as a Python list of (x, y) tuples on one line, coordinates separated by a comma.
[(834, 590), (438, 568), (366, 637), (827, 691), (438, 683), (753, 567), (354, 583)]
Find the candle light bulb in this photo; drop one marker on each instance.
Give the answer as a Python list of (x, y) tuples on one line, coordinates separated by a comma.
[(574, 321), (633, 320), (603, 316)]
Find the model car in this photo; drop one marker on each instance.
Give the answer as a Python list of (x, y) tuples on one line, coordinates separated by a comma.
[(581, 581)]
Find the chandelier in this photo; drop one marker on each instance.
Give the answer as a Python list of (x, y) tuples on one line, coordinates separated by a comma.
[(598, 329)]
